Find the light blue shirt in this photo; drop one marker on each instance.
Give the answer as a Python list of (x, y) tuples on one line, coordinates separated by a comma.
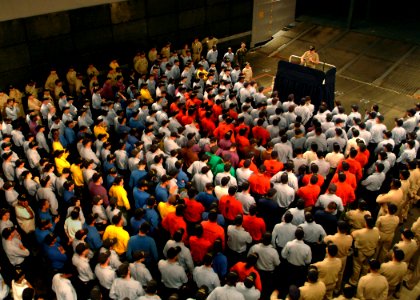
[(297, 253), (282, 234), (313, 232)]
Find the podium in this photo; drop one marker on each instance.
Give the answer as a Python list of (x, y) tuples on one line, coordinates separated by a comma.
[(303, 81)]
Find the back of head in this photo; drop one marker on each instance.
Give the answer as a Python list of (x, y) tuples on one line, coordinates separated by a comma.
[(266, 240), (300, 204), (231, 278), (370, 222), (309, 217), (349, 291), (299, 234), (313, 275), (288, 217), (374, 265), (398, 254), (332, 250)]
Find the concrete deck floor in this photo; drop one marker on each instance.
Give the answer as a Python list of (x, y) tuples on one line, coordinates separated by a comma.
[(370, 69)]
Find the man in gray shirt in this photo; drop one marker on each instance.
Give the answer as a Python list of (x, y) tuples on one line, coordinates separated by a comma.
[(124, 286), (173, 275), (268, 261), (285, 194), (329, 197), (283, 232), (104, 272), (13, 247), (298, 255), (314, 234)]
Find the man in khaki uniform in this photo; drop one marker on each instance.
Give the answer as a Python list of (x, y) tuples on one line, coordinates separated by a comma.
[(196, 47), (14, 93), (50, 83), (386, 226), (30, 88), (141, 65), (405, 187), (365, 243), (343, 241), (310, 58), (373, 286), (71, 80), (395, 196), (329, 269), (247, 71), (394, 270), (407, 244), (58, 89), (210, 41), (166, 50), (92, 71), (356, 217), (3, 99), (313, 289), (414, 179)]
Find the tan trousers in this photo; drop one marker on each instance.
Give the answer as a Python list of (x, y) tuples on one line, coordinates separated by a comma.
[(360, 266), (384, 245), (341, 273)]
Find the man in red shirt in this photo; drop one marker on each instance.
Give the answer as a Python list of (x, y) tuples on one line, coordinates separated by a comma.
[(199, 246), (250, 156), (213, 231), (355, 166), (242, 141), (253, 224), (174, 221), (229, 206), (344, 190), (207, 124), (362, 155), (314, 172), (350, 177), (217, 109), (193, 208), (309, 193), (259, 182), (241, 124), (260, 133), (273, 165)]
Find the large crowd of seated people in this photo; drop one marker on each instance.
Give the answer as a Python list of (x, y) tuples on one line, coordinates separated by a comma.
[(177, 177)]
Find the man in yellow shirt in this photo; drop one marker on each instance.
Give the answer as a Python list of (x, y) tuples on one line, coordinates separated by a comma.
[(76, 173), (145, 94), (116, 231), (100, 128), (117, 190), (60, 158)]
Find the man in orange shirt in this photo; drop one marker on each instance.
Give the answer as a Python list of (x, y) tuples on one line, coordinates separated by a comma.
[(213, 231), (259, 183), (207, 124), (229, 206), (273, 166), (362, 155), (355, 166), (350, 177), (344, 190), (193, 208), (254, 225), (174, 221), (260, 133), (314, 172), (198, 244), (309, 193)]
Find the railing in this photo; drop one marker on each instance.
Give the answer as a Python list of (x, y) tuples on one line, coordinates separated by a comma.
[(321, 63)]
